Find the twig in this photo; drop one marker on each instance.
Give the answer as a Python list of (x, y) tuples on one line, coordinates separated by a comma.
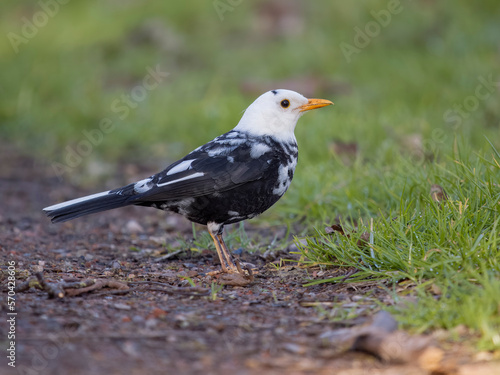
[(32, 282), (78, 284), (75, 288), (149, 283), (54, 290), (118, 292), (69, 289), (169, 255), (184, 291), (97, 284), (169, 289)]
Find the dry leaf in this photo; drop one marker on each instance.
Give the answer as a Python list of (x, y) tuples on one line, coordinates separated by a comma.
[(438, 194)]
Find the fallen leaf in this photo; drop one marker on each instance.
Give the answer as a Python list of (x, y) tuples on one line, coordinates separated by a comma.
[(438, 194)]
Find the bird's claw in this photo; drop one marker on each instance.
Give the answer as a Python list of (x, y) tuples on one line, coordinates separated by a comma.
[(235, 279), (235, 275)]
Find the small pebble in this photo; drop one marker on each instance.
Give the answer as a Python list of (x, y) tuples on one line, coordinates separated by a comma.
[(294, 348), (122, 306), (137, 319), (133, 226)]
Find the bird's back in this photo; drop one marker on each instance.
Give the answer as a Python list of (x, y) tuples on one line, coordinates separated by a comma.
[(240, 176)]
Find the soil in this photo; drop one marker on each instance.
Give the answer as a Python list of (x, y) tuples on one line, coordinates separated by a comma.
[(161, 324)]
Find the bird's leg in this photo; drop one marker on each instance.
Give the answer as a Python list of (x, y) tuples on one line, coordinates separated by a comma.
[(233, 274), (219, 252), (230, 260), (225, 257), (226, 260)]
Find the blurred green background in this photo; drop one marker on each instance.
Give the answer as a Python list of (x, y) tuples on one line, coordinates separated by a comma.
[(404, 76)]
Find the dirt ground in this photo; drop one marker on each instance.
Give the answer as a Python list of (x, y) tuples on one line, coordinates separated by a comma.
[(149, 319)]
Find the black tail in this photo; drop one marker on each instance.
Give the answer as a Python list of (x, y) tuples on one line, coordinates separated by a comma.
[(86, 205)]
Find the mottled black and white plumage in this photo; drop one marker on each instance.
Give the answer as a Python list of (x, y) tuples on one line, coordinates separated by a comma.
[(234, 177)]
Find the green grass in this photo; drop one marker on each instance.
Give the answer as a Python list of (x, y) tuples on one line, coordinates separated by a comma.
[(395, 106), (452, 244)]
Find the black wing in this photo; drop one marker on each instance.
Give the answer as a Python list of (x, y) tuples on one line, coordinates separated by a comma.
[(214, 168)]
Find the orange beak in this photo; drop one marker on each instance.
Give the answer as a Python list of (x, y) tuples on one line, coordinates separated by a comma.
[(314, 103)]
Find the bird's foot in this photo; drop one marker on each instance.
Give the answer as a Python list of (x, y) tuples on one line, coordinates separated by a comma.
[(235, 279), (235, 275)]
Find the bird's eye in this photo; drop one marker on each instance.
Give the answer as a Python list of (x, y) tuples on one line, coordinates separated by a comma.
[(285, 103)]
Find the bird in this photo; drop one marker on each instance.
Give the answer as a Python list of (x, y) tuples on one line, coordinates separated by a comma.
[(235, 177)]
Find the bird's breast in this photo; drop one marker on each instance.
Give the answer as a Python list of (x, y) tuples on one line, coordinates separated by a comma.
[(284, 177)]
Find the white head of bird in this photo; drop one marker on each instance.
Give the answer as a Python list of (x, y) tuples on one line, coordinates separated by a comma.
[(275, 113)]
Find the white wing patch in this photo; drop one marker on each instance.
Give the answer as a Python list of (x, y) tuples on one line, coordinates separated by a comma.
[(75, 201), (217, 151), (223, 149), (143, 185), (194, 175), (181, 167), (259, 149)]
